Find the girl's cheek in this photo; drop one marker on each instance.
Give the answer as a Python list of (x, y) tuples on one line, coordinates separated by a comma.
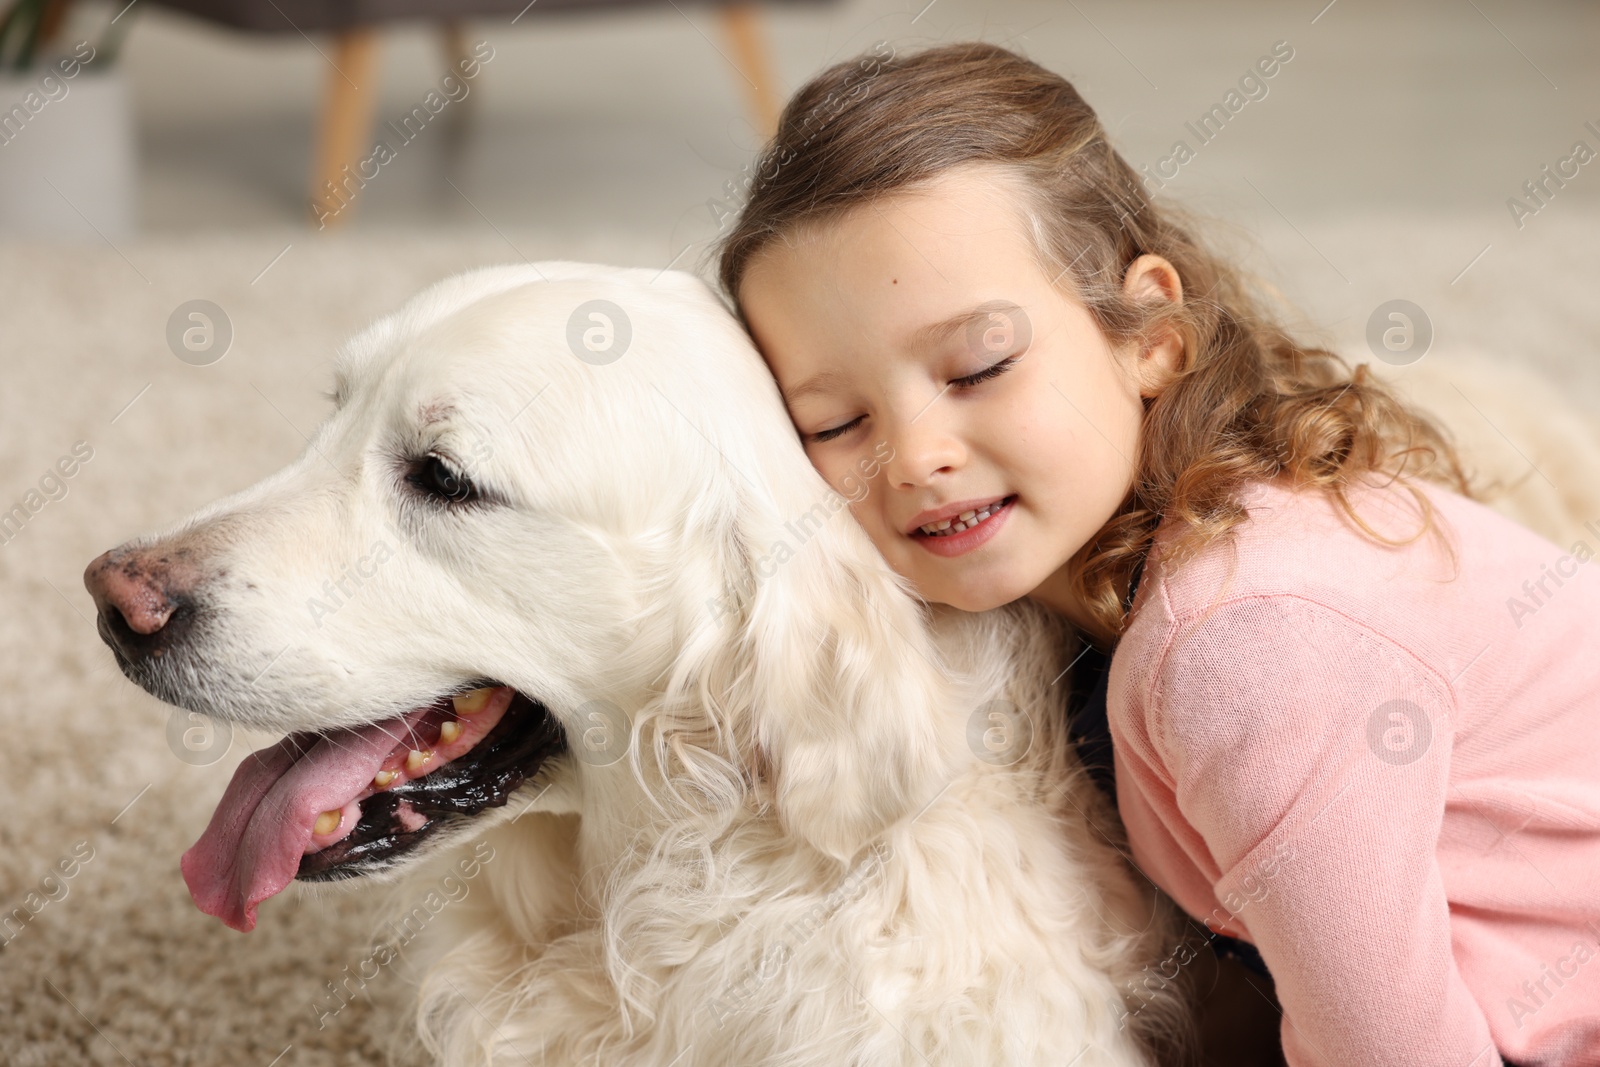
[(851, 487), (858, 514)]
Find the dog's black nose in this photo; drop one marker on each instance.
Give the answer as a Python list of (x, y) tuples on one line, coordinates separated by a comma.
[(142, 600)]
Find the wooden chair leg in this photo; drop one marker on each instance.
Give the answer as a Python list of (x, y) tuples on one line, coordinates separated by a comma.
[(351, 97), (458, 53), (453, 35), (741, 22)]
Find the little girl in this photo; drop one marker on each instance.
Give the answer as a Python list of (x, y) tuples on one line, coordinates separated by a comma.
[(1336, 738)]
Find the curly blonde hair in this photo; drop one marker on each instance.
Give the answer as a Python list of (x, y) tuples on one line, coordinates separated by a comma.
[(1248, 403)]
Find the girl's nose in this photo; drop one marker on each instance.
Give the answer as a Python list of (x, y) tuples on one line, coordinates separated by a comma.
[(922, 449)]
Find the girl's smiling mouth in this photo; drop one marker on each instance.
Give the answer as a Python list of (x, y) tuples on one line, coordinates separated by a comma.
[(961, 533)]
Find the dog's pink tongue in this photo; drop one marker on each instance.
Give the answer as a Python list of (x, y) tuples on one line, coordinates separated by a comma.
[(252, 847)]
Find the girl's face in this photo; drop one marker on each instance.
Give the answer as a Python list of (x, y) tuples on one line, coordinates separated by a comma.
[(921, 328)]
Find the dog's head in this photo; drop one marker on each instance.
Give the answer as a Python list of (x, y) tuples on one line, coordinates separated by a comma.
[(551, 499)]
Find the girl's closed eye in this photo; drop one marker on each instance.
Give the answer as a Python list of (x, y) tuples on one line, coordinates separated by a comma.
[(828, 435), (987, 374)]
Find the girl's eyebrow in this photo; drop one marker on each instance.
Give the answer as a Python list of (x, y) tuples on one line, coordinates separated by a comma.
[(820, 382), (934, 333)]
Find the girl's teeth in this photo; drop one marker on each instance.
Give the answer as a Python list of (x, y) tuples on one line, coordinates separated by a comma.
[(964, 521)]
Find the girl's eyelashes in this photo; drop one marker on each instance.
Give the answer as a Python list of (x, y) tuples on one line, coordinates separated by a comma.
[(988, 373), (828, 435)]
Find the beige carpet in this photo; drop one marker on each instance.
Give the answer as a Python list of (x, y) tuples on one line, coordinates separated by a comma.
[(117, 966)]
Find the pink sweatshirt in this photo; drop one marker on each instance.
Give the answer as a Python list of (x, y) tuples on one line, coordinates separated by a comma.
[(1383, 774)]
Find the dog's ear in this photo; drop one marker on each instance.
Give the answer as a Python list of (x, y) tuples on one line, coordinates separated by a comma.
[(848, 703)]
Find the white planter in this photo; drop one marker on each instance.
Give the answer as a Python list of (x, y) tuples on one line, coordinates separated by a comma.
[(67, 162)]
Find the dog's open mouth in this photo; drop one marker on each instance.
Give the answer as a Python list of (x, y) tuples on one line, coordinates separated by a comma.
[(323, 806)]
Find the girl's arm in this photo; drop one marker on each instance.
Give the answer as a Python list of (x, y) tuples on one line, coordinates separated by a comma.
[(1312, 755)]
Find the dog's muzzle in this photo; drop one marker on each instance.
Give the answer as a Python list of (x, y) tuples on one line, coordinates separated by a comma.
[(319, 805)]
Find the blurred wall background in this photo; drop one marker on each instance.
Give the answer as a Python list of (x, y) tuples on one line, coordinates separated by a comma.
[(635, 117)]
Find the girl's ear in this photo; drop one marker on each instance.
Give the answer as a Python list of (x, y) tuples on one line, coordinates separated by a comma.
[(1152, 279), (850, 711)]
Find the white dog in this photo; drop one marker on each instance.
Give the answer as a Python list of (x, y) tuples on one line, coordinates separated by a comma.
[(555, 598)]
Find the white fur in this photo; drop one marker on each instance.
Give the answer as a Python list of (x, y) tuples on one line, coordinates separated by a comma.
[(801, 860)]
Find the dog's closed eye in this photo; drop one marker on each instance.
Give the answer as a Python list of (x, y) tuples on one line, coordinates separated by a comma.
[(435, 477)]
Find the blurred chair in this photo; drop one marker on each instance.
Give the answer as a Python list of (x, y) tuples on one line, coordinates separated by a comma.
[(349, 99)]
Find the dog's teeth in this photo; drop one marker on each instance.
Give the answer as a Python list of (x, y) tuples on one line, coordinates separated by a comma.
[(327, 822), (471, 703), (384, 779), (417, 759), (449, 731)]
